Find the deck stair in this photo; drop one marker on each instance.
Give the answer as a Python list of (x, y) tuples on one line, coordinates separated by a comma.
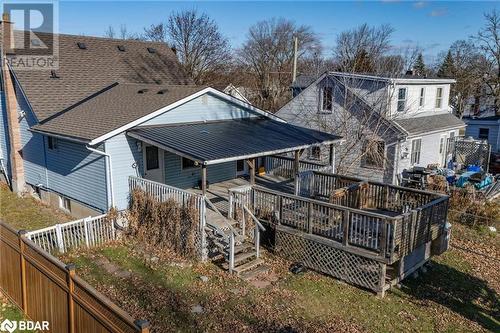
[(225, 234)]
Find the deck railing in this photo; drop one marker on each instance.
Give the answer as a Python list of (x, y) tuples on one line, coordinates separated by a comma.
[(282, 166), (60, 238)]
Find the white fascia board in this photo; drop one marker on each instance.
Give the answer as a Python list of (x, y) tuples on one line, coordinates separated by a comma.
[(178, 103)]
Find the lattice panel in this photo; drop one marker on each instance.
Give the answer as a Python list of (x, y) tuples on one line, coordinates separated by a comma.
[(323, 258)]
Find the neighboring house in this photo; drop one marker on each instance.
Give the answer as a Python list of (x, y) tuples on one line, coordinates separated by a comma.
[(484, 128), (120, 108), (482, 104), (389, 123)]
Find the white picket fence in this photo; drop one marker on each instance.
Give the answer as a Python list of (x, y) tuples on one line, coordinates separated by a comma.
[(60, 238)]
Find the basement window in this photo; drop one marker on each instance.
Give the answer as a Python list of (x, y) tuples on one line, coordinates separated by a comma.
[(65, 203), (52, 143)]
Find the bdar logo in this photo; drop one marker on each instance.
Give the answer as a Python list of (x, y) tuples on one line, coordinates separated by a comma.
[(8, 326)]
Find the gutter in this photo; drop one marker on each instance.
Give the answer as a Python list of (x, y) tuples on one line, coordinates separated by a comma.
[(109, 175)]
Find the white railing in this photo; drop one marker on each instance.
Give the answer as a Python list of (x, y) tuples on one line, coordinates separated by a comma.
[(282, 166), (163, 192), (60, 238)]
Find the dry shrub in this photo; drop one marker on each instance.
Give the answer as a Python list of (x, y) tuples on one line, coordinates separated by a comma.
[(164, 224), (468, 206), (437, 183)]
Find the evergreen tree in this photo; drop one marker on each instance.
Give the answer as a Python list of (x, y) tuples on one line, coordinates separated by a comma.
[(419, 67), (447, 68)]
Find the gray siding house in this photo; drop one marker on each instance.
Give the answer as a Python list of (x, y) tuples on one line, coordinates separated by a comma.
[(484, 128), (389, 124), (71, 135)]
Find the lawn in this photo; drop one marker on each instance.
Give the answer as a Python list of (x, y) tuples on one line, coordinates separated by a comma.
[(458, 293), (27, 213), (10, 311)]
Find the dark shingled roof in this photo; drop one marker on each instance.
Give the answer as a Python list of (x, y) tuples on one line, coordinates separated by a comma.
[(115, 106), (231, 140), (304, 80), (429, 123), (83, 72)]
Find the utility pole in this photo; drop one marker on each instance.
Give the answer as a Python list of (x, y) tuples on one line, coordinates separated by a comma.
[(295, 47)]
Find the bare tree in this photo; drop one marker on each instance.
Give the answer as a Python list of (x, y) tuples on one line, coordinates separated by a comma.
[(488, 39), (201, 47), (156, 33), (359, 49), (110, 32), (268, 55)]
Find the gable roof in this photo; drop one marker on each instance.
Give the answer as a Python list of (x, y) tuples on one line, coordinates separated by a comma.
[(429, 123), (83, 72), (304, 80)]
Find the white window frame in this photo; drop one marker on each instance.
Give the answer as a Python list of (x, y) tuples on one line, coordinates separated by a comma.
[(442, 143), (52, 141), (402, 99), (322, 100), (440, 99), (421, 98), (412, 152), (62, 201)]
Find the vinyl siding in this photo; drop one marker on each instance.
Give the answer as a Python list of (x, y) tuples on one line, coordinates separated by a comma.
[(4, 134), (77, 173), (126, 160), (188, 178), (204, 108), (473, 127)]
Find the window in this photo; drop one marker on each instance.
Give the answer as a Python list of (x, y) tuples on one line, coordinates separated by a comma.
[(374, 154), (415, 151), (484, 133), (441, 144), (52, 143), (421, 100), (187, 163), (439, 98), (315, 153), (65, 203), (452, 135), (327, 99), (152, 161), (401, 99)]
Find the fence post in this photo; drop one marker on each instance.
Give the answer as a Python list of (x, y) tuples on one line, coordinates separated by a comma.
[(60, 239), (142, 325), (345, 228), (22, 234), (86, 231), (383, 238), (70, 268), (257, 241), (230, 210), (231, 252), (309, 217)]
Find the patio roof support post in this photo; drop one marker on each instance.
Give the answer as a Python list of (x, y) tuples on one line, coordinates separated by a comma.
[(296, 162), (332, 157), (251, 170), (204, 179)]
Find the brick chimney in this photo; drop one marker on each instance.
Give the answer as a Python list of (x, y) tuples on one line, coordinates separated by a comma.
[(16, 158)]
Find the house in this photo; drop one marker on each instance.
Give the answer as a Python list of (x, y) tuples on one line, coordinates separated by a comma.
[(119, 108), (389, 123), (484, 128)]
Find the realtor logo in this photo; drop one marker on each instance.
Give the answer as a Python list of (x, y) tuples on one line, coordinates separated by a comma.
[(29, 34), (23, 325)]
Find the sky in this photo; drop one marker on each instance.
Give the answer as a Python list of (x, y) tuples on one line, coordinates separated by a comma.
[(432, 25)]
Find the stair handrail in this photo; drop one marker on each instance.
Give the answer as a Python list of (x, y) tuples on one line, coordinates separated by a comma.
[(225, 219), (254, 218)]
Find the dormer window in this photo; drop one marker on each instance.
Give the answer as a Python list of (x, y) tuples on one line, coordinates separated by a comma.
[(439, 98), (327, 100), (401, 99)]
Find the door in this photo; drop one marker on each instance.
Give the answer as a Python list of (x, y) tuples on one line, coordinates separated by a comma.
[(241, 168), (153, 163)]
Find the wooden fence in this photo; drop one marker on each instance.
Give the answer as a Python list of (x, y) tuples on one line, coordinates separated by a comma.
[(282, 166), (90, 231), (47, 290)]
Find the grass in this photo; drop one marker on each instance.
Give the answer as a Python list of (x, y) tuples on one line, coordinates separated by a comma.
[(27, 213), (458, 294), (10, 311)]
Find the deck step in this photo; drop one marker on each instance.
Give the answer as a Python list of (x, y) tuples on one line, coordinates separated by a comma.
[(240, 257), (241, 248), (248, 266), (256, 271)]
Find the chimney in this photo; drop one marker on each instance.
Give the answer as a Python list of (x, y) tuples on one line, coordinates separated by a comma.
[(7, 34), (409, 72), (16, 158)]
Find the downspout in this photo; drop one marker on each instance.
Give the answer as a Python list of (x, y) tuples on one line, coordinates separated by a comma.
[(109, 175)]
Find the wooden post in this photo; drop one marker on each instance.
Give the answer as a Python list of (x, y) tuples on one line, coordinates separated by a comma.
[(257, 241), (231, 253), (70, 268), (381, 284), (332, 158), (383, 238), (143, 325), (24, 292), (345, 228), (296, 162), (251, 171), (204, 179), (309, 217)]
